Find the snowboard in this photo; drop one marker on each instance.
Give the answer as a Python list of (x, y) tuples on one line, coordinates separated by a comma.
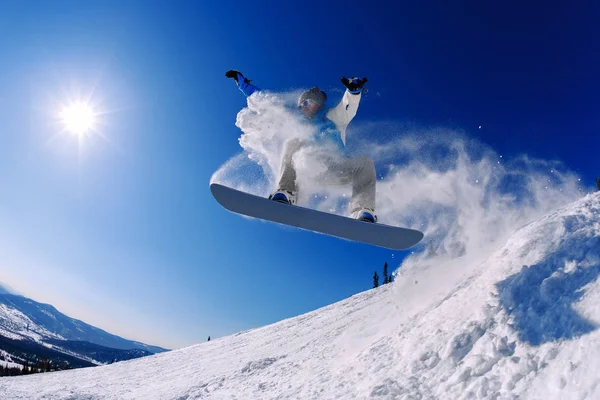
[(390, 237)]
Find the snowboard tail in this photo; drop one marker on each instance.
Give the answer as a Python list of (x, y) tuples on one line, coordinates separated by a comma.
[(376, 234)]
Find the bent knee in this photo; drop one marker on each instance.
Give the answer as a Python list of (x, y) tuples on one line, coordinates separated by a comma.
[(367, 163), (293, 143)]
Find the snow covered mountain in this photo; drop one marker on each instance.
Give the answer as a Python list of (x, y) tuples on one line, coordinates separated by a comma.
[(5, 289), (21, 317), (32, 331), (520, 323)]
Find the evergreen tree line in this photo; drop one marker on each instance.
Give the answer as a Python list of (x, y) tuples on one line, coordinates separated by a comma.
[(43, 365), (387, 278)]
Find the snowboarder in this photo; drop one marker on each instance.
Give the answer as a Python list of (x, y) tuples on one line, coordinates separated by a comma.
[(360, 171)]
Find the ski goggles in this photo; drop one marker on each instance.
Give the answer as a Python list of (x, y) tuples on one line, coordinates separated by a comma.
[(306, 103)]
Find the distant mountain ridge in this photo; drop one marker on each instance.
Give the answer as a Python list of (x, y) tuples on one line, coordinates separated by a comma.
[(46, 322), (4, 289)]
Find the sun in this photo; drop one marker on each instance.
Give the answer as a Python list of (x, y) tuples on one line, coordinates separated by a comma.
[(79, 118)]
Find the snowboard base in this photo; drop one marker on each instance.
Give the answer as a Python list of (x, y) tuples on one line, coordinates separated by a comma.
[(381, 235)]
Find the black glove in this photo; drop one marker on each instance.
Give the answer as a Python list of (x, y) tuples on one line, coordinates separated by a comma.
[(354, 85), (235, 74)]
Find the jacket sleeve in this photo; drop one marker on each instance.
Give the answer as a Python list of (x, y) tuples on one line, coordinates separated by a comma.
[(344, 112), (247, 88)]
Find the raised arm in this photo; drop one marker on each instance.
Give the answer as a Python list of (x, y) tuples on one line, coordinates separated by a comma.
[(242, 82), (344, 112)]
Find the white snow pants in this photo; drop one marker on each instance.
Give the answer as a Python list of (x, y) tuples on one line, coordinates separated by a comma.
[(359, 171)]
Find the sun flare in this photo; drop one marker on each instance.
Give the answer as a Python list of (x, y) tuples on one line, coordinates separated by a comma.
[(78, 118)]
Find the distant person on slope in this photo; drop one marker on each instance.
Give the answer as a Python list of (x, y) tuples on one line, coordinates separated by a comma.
[(360, 171)]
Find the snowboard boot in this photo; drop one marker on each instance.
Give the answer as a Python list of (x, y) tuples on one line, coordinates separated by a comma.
[(283, 196), (365, 214)]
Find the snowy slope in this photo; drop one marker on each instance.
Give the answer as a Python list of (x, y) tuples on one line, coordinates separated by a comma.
[(16, 325), (6, 360), (521, 323)]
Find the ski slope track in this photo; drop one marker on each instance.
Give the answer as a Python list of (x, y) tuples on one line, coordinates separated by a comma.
[(520, 323)]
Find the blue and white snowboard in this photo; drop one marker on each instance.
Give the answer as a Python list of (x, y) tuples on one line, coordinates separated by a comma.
[(390, 237)]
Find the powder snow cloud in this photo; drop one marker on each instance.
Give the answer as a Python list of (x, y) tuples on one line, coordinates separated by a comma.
[(462, 194)]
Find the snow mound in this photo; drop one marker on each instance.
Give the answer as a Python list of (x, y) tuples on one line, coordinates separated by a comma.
[(520, 324)]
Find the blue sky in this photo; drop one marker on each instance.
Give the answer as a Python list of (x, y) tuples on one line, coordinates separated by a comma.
[(119, 229)]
